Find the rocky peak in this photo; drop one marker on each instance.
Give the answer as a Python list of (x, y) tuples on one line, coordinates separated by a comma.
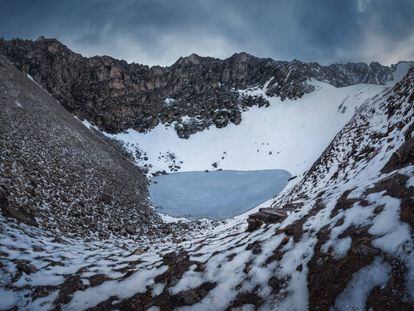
[(242, 57), (40, 38), (192, 59)]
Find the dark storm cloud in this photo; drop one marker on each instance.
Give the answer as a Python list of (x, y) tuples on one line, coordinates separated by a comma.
[(159, 31)]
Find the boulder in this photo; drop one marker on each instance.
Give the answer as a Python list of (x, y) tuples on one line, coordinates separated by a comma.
[(265, 215)]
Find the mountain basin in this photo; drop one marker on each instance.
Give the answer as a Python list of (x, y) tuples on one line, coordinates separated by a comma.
[(215, 194)]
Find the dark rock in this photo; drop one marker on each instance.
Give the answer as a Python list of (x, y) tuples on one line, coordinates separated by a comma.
[(193, 296), (3, 196), (37, 248), (265, 215), (277, 284), (255, 247), (343, 203), (98, 279), (69, 286), (327, 276), (25, 266), (130, 229), (246, 298), (253, 224), (105, 198), (285, 240), (19, 213), (393, 295), (402, 157)]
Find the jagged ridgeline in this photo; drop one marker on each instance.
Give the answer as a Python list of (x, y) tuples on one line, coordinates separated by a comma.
[(115, 95)]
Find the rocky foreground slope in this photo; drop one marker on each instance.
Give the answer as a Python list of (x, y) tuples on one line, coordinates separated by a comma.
[(57, 174), (344, 241), (117, 96)]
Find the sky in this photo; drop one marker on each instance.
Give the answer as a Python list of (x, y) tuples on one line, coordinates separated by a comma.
[(158, 32)]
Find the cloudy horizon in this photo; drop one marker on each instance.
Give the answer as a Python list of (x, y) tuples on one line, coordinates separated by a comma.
[(158, 32)]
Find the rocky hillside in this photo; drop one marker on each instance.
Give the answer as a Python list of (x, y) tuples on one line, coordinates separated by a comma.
[(341, 239), (116, 96), (57, 174)]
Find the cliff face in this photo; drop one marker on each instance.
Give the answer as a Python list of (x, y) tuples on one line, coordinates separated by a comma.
[(56, 173), (115, 95)]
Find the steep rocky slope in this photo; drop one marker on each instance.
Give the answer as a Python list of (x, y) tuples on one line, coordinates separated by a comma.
[(116, 96), (56, 174), (343, 240)]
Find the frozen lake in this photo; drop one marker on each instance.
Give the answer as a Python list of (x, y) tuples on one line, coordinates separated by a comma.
[(216, 194)]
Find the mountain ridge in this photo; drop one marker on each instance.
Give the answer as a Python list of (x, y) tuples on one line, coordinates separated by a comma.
[(115, 95)]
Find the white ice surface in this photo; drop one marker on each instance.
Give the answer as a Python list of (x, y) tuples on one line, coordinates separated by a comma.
[(289, 134)]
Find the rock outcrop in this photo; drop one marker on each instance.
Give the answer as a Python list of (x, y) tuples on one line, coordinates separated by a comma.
[(265, 215)]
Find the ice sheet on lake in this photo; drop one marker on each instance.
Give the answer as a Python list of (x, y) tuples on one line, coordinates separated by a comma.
[(216, 195)]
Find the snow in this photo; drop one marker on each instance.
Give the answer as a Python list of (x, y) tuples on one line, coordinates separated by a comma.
[(393, 233), (7, 299), (399, 71), (169, 219), (169, 102), (290, 134), (30, 77), (123, 289), (356, 293), (227, 278), (191, 279), (342, 246)]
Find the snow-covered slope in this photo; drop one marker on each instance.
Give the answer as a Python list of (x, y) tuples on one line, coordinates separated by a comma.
[(288, 134), (399, 70), (346, 243)]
